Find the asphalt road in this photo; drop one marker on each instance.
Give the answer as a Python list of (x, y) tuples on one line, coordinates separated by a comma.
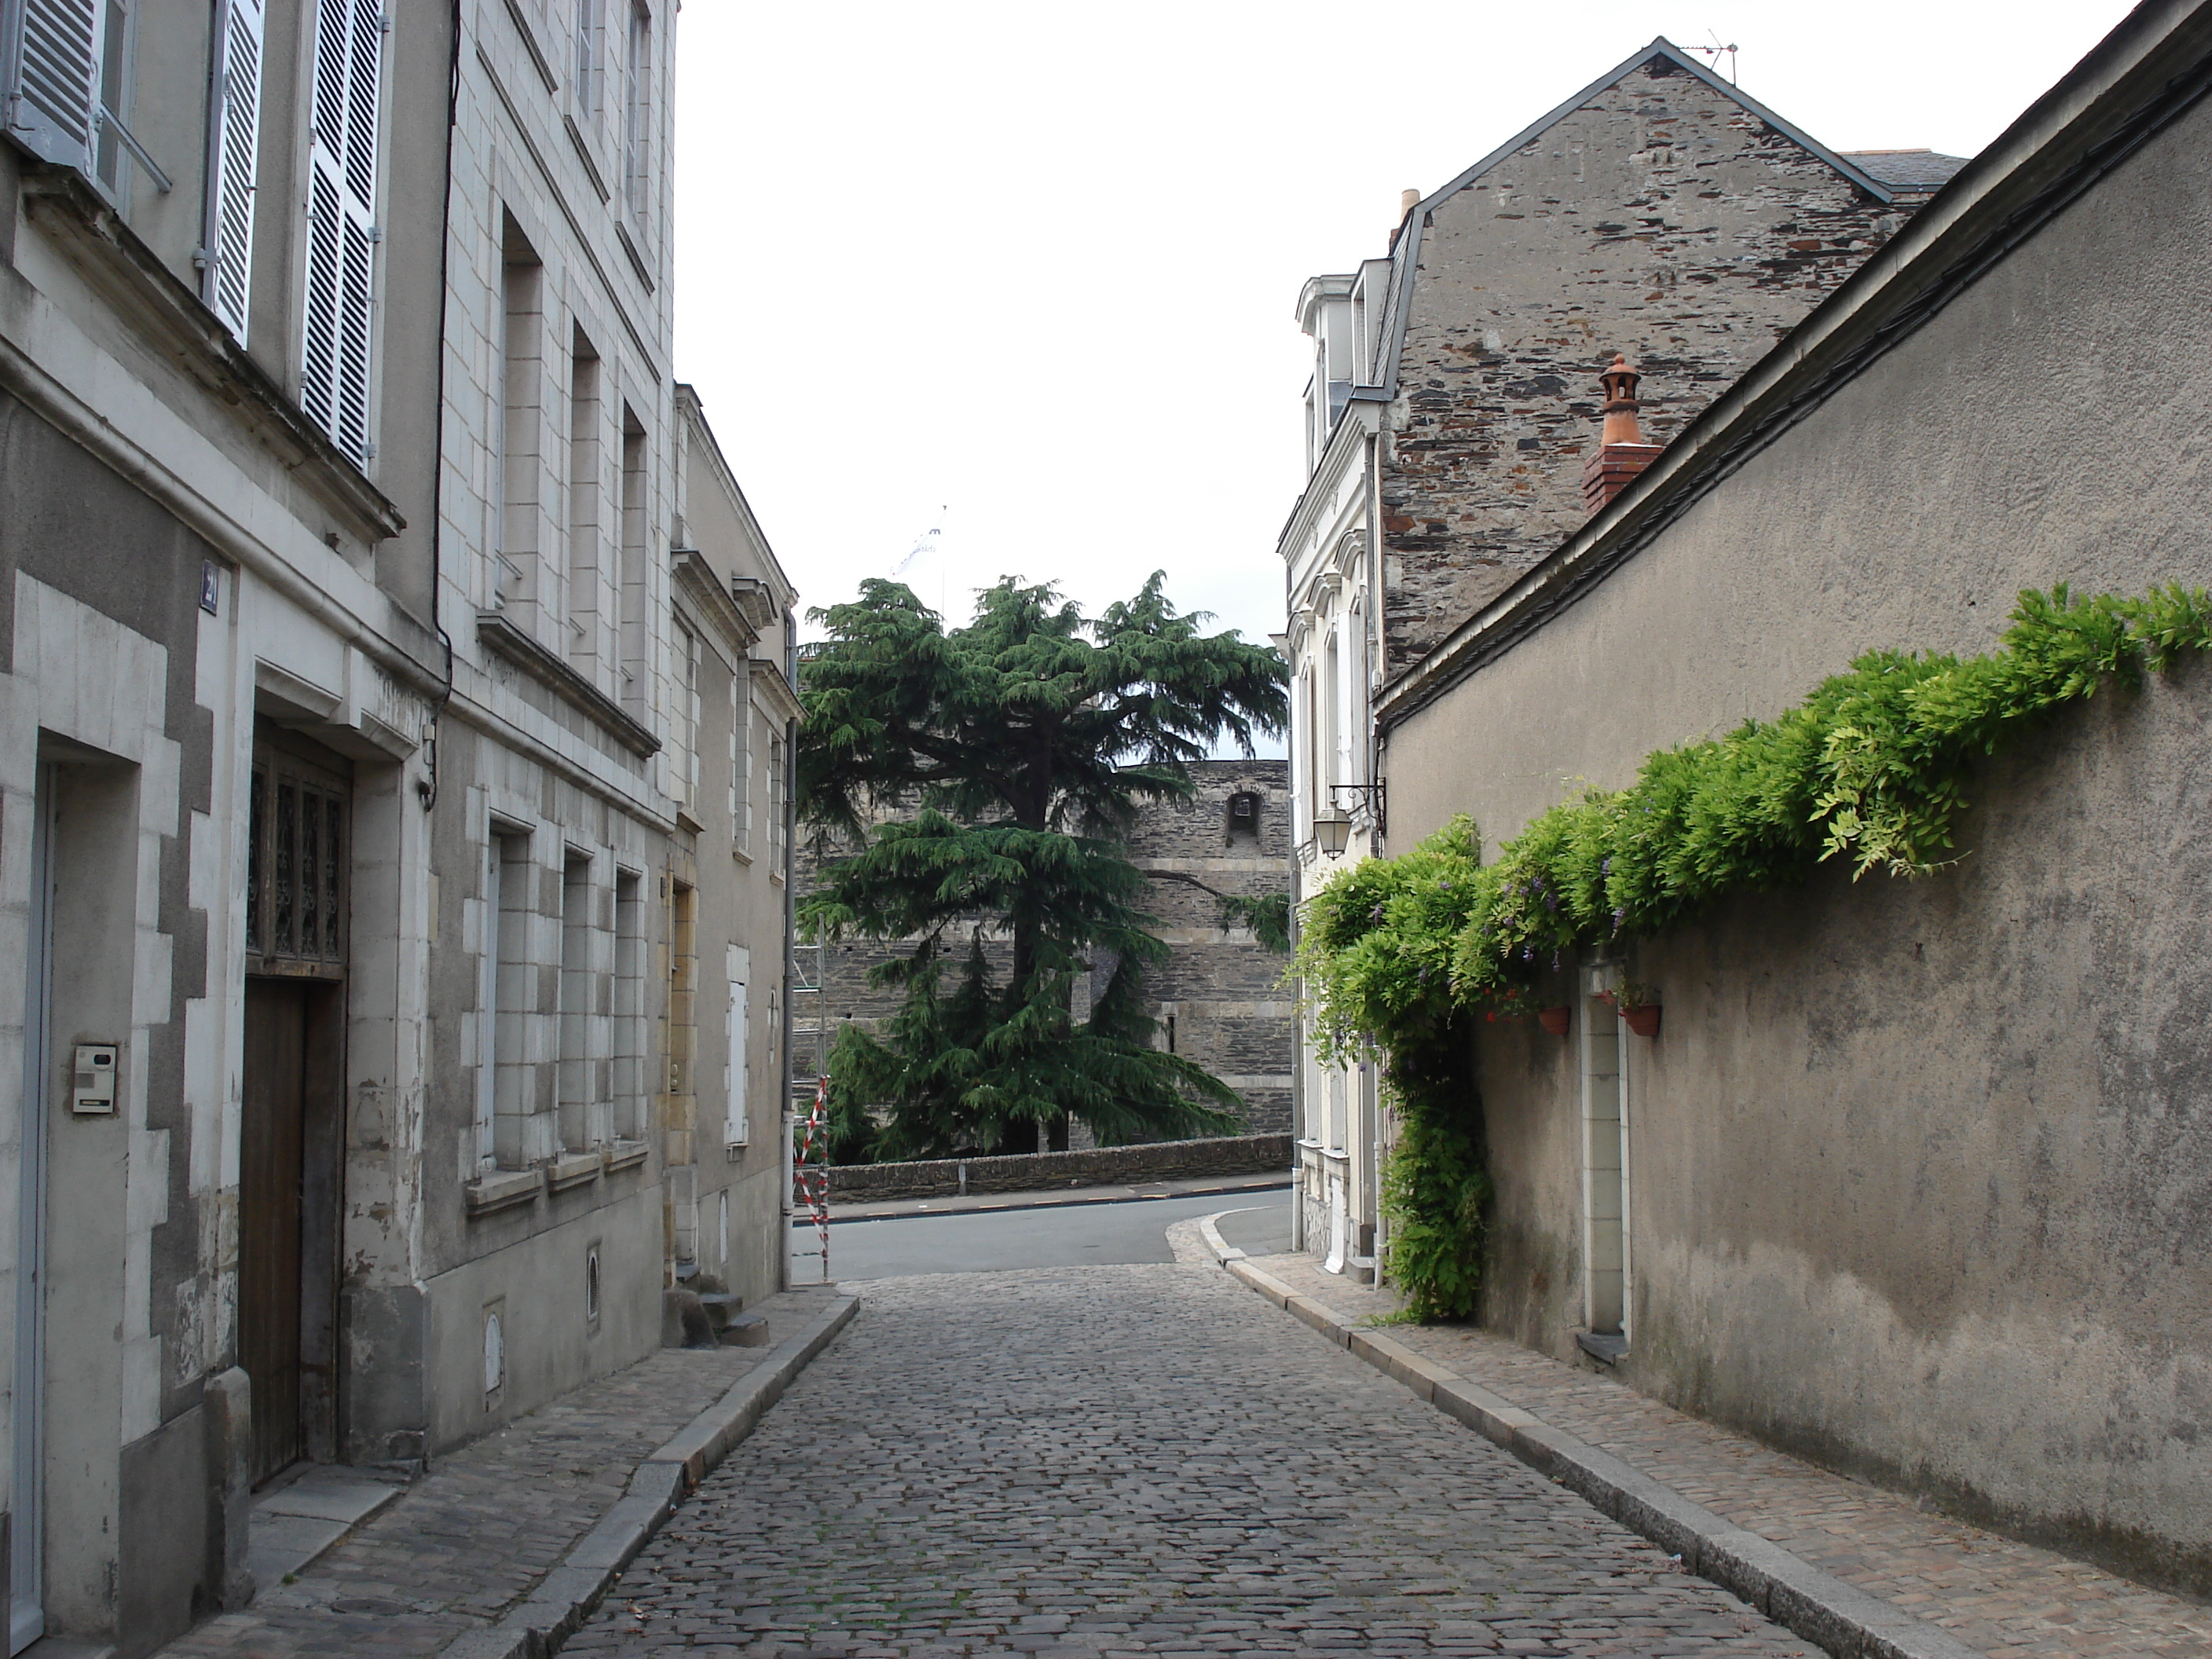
[(1061, 1236)]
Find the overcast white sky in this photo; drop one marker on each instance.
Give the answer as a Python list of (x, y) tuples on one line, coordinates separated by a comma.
[(1034, 263)]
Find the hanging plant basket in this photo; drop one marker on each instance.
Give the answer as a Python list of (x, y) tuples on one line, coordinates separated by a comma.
[(1557, 1021), (1643, 1019)]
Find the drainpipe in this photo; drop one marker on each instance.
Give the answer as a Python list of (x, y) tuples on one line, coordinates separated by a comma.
[(1297, 1018), (790, 922), (1377, 671)]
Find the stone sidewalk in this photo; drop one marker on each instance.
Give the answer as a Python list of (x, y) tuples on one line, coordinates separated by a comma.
[(2006, 1600), (468, 1541)]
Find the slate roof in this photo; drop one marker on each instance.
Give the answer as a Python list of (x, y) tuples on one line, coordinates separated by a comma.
[(1917, 171)]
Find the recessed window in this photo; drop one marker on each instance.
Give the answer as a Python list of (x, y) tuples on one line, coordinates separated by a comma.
[(1243, 815)]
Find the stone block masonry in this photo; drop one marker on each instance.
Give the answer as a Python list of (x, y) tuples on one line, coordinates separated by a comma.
[(1660, 219), (1099, 1166), (1219, 998)]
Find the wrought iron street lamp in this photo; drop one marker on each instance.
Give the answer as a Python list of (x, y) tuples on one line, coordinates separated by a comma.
[(1333, 824)]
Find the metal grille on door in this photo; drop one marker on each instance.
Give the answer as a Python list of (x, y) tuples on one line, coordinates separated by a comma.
[(295, 888)]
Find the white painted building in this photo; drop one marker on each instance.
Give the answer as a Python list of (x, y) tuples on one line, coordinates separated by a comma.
[(1333, 643)]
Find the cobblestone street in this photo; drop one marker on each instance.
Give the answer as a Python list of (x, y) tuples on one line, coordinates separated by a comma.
[(1135, 1460)]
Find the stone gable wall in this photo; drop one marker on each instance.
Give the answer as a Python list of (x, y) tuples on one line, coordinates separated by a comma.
[(1662, 220)]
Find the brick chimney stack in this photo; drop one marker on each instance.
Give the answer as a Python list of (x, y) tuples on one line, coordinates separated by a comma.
[(1622, 450)]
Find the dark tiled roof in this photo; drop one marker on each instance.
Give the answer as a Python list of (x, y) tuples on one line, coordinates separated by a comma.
[(1916, 170)]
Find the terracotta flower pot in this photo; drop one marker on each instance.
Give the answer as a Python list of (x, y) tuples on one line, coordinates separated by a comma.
[(1556, 1020), (1643, 1021)]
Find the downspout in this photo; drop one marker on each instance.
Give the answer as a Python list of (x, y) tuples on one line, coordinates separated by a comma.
[(787, 807), (1297, 1014), (1370, 1080), (427, 787)]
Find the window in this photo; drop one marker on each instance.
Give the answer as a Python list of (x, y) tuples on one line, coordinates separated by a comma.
[(520, 424), (741, 755), (488, 1046), (737, 1127), (1243, 815), (296, 857), (587, 569), (238, 138), (774, 806), (683, 762), (341, 230), (630, 1080), (590, 75), (1331, 719), (682, 1031), (637, 123), (578, 1098), (634, 634), (517, 1137), (69, 86)]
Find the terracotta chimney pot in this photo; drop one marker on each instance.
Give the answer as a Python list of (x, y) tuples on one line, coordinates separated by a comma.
[(1622, 452)]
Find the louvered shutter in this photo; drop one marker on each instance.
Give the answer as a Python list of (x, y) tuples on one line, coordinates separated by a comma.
[(238, 137), (54, 62), (738, 1123), (341, 222)]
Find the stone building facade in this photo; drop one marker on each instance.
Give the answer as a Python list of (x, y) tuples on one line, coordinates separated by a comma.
[(337, 741), (1219, 999), (1660, 213), (1913, 1177), (734, 709)]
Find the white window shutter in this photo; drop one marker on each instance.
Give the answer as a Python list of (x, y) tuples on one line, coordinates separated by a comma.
[(238, 129), (737, 1131), (341, 222), (54, 63)]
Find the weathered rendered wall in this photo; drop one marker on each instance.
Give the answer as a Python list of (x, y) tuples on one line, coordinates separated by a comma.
[(1919, 1171), (1662, 220)]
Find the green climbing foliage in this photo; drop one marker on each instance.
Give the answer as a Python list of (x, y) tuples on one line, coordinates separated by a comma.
[(1399, 956), (1268, 914)]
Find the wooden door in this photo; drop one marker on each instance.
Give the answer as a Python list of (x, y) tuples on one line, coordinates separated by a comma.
[(269, 1246)]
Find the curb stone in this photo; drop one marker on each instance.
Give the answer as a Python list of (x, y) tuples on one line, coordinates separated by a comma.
[(560, 1602), (1833, 1615)]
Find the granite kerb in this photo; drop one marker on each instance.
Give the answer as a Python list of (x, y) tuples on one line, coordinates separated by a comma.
[(1837, 1617), (558, 1603)]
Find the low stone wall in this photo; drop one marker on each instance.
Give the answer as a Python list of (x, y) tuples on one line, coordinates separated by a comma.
[(1029, 1172)]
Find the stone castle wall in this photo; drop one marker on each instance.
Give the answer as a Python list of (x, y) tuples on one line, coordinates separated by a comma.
[(1031, 1172), (1219, 999)]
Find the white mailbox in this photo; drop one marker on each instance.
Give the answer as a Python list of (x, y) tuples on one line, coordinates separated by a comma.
[(93, 1094)]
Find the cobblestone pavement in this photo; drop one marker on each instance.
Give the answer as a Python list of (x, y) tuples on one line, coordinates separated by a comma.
[(1135, 1460), (2008, 1600), (470, 1539)]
